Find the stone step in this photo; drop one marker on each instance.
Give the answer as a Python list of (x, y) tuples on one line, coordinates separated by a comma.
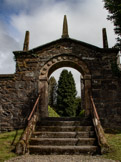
[(65, 119), (62, 150), (64, 128), (63, 134), (62, 141), (64, 123)]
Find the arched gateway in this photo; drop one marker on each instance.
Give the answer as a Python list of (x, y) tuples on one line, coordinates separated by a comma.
[(19, 91), (64, 60)]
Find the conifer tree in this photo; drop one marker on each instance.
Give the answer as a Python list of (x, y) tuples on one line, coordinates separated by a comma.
[(52, 92), (66, 94)]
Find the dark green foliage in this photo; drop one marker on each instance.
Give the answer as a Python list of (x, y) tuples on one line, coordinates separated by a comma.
[(66, 94), (114, 8), (52, 92), (78, 105)]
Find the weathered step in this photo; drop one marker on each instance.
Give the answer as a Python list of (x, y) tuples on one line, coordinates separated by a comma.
[(63, 141), (64, 123), (65, 119), (63, 134), (61, 150), (64, 128)]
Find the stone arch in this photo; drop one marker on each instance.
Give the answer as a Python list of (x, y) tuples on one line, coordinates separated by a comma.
[(62, 61), (53, 64)]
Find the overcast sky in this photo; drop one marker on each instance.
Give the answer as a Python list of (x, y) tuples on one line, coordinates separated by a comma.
[(44, 19)]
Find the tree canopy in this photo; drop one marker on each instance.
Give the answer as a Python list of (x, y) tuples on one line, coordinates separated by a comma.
[(114, 8), (66, 94)]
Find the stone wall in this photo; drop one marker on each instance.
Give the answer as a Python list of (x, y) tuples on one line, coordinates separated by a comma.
[(106, 88), (19, 91), (107, 97), (17, 97)]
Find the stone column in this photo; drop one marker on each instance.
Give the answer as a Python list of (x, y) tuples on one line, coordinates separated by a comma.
[(105, 39), (43, 90), (82, 93), (87, 85)]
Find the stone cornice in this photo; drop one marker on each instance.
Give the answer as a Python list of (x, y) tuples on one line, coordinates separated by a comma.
[(64, 40)]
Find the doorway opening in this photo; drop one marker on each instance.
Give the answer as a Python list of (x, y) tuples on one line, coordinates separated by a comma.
[(69, 107)]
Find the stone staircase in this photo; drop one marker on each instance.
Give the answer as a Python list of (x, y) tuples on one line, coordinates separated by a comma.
[(63, 136)]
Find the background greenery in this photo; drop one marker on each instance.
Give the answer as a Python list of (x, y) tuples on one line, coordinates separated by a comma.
[(52, 92), (114, 9), (52, 113), (66, 94)]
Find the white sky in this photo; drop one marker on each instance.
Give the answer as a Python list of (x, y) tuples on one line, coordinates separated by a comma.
[(44, 19)]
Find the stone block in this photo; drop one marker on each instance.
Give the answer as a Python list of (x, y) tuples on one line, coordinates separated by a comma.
[(29, 74), (19, 84)]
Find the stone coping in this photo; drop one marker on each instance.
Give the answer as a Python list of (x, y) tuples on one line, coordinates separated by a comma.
[(62, 40), (6, 76)]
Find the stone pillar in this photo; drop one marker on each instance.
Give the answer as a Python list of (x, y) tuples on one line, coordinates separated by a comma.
[(26, 42), (65, 28), (82, 93), (87, 86), (105, 39), (43, 90)]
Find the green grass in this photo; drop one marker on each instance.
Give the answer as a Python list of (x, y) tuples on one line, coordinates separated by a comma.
[(114, 141), (82, 113), (6, 146), (52, 113)]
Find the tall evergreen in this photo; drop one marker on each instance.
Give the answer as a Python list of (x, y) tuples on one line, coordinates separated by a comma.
[(66, 94), (52, 92)]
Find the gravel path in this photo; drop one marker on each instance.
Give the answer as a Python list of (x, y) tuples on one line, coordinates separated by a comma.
[(59, 158)]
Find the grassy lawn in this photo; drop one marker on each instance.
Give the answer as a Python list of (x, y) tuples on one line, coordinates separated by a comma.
[(52, 113), (114, 140), (7, 145)]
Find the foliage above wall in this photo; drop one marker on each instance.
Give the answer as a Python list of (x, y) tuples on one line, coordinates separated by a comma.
[(114, 8)]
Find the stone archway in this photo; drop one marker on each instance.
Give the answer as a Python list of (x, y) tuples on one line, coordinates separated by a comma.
[(53, 64)]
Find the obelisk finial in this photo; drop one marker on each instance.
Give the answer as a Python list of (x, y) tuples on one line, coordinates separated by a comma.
[(26, 42), (105, 39), (65, 28)]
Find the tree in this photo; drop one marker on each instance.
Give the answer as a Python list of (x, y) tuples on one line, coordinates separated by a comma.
[(66, 94), (52, 92), (114, 8), (78, 105)]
